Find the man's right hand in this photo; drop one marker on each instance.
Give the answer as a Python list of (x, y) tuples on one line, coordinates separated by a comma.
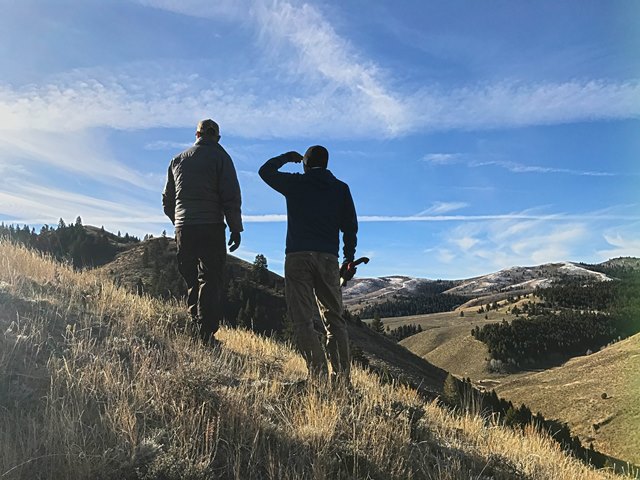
[(293, 157), (234, 241)]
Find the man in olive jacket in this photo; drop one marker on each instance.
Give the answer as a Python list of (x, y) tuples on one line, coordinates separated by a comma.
[(319, 207), (201, 191)]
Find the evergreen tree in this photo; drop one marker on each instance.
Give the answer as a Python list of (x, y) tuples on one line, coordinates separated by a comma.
[(260, 271), (377, 325), (451, 391)]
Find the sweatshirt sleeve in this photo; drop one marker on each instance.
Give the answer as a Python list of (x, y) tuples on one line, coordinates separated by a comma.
[(169, 196), (230, 195), (279, 181), (349, 226)]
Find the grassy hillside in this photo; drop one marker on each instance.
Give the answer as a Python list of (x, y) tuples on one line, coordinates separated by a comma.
[(571, 392), (446, 339), (575, 391), (98, 383)]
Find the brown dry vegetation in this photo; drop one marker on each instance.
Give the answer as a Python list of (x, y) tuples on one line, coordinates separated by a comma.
[(574, 392), (99, 383), (446, 339), (571, 392)]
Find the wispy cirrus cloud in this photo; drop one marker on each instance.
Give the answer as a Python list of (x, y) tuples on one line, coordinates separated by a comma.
[(167, 145), (532, 237), (516, 167), (326, 77), (97, 98), (443, 158), (84, 153), (622, 241), (519, 219), (440, 159), (35, 204), (443, 207), (501, 243)]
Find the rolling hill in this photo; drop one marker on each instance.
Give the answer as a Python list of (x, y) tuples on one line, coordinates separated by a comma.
[(598, 395), (97, 382), (491, 287), (571, 392)]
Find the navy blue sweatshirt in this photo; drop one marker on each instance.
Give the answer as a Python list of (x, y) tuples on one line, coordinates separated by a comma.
[(319, 207)]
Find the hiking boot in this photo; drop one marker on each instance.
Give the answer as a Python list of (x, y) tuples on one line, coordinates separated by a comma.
[(211, 341)]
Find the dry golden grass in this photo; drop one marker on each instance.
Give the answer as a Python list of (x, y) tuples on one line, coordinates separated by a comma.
[(98, 383), (574, 392), (446, 339), (571, 392)]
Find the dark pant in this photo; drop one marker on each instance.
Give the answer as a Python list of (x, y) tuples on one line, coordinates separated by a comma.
[(202, 253)]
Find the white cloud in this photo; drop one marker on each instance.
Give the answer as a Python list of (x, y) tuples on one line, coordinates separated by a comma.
[(445, 255), (466, 243), (83, 153), (522, 168), (167, 145), (200, 8), (443, 207), (504, 242), (442, 158), (511, 104), (326, 78), (622, 242)]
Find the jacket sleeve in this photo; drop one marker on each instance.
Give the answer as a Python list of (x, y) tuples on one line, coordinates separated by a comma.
[(349, 226), (279, 181), (169, 197), (230, 195)]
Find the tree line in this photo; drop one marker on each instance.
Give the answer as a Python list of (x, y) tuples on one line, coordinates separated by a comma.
[(427, 298), (72, 243), (573, 319), (395, 334)]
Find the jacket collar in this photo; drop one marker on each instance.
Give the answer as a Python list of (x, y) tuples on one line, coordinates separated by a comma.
[(205, 141)]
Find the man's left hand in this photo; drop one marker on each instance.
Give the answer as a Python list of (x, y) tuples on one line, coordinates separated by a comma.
[(234, 241)]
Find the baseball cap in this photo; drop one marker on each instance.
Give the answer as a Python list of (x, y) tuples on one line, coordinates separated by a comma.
[(316, 156), (206, 127)]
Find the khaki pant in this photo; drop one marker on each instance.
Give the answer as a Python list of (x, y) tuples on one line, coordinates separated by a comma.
[(312, 283)]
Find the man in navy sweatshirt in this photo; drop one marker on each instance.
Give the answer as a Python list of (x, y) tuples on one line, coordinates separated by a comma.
[(319, 207)]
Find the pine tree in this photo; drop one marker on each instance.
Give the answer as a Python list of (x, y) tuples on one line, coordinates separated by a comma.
[(451, 391), (260, 271), (377, 325)]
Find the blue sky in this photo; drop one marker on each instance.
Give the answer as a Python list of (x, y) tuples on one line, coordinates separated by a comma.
[(474, 135)]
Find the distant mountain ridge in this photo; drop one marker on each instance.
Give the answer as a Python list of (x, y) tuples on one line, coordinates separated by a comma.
[(513, 280)]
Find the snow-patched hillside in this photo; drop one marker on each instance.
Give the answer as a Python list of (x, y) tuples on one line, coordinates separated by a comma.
[(524, 278), (361, 289), (507, 280)]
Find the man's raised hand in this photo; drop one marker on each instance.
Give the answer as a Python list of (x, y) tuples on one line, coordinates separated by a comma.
[(293, 157)]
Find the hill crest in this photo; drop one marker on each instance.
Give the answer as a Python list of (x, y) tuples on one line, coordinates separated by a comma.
[(513, 280)]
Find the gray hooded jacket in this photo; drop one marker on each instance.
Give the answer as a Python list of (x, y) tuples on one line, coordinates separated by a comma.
[(202, 187)]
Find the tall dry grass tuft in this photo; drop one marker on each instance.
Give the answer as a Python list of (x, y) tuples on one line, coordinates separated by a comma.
[(98, 383)]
